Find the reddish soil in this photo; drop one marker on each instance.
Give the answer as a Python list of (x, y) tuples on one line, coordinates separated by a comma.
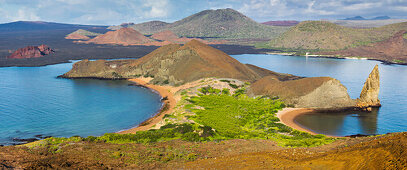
[(31, 52), (392, 49), (380, 152), (77, 37)]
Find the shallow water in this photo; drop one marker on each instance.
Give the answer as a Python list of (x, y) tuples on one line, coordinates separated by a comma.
[(391, 117), (34, 102)]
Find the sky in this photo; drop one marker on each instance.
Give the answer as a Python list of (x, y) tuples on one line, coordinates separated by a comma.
[(114, 12)]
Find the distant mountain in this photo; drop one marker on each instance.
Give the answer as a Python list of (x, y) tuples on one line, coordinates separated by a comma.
[(381, 18), (40, 25), (145, 27), (85, 32), (224, 23), (124, 36), (361, 18), (393, 49), (355, 18), (324, 35), (81, 34), (281, 23)]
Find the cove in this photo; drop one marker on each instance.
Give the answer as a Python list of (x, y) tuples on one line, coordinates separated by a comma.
[(34, 102), (352, 73)]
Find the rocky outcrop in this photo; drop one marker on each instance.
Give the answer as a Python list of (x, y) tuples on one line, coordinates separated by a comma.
[(314, 92), (369, 97), (31, 52)]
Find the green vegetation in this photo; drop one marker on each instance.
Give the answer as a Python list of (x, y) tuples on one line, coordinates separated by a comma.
[(219, 115), (85, 33), (398, 61), (405, 36), (239, 116)]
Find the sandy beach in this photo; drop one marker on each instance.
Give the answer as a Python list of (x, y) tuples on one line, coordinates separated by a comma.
[(168, 105), (287, 116)]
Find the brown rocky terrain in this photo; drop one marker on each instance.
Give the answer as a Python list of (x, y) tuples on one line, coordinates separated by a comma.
[(31, 52), (123, 36), (393, 50), (379, 152)]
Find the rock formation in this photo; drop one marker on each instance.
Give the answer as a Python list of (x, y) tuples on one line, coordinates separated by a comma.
[(31, 52), (369, 97), (314, 92)]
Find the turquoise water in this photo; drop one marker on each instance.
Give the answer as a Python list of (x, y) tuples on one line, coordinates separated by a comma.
[(391, 117), (34, 102)]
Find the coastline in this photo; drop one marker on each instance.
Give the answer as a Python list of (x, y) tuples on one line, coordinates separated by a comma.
[(288, 115), (168, 106)]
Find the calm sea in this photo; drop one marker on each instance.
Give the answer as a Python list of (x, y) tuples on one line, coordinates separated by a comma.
[(34, 102), (391, 117)]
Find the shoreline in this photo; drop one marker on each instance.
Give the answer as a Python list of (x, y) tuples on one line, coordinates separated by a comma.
[(167, 106), (287, 117)]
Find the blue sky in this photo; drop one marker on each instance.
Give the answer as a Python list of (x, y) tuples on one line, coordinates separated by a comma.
[(113, 12)]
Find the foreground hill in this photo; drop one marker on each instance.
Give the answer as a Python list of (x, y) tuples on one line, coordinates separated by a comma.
[(323, 35), (223, 23), (393, 50)]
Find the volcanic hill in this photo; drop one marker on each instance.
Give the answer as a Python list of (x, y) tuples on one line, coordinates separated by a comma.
[(171, 64), (393, 50), (150, 27), (31, 52), (124, 36), (81, 34), (324, 35), (223, 23)]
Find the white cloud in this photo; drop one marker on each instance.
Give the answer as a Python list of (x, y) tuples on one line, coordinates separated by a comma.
[(158, 8)]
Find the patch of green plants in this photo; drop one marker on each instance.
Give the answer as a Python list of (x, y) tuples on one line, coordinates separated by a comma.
[(398, 61), (405, 36), (237, 116), (116, 75)]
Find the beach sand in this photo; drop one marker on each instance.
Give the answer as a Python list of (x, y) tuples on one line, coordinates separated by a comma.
[(163, 91), (288, 115)]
